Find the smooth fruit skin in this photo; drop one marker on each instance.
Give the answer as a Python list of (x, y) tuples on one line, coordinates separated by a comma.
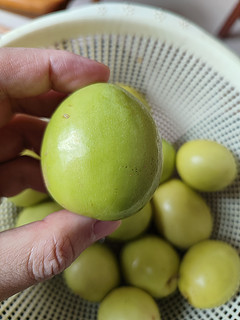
[(206, 165), (36, 212), (128, 303), (135, 93), (94, 273), (134, 225), (181, 215), (101, 153), (169, 160), (28, 197), (150, 263), (209, 274)]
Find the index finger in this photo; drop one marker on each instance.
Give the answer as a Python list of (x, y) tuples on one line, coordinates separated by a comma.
[(30, 72)]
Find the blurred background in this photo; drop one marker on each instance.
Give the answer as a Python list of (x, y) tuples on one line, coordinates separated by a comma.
[(221, 18)]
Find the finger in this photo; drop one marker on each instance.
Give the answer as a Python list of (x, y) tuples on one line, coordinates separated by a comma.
[(38, 251), (41, 106), (30, 72), (20, 174), (22, 132)]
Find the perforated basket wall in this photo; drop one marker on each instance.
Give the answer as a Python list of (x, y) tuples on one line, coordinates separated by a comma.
[(192, 83)]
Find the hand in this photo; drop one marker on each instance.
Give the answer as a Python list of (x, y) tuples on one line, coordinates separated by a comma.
[(32, 84)]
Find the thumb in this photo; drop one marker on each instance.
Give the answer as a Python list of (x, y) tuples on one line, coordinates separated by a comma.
[(40, 250)]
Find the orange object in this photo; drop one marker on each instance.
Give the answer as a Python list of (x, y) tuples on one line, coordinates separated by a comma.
[(33, 7), (230, 21)]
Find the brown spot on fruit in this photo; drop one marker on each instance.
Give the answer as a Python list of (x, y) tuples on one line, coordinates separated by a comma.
[(66, 115)]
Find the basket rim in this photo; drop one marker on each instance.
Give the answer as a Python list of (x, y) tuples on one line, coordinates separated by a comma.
[(138, 19)]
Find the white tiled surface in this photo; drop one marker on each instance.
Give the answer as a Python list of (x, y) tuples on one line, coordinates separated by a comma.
[(208, 14)]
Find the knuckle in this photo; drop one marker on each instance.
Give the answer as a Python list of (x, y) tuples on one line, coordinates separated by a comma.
[(48, 258)]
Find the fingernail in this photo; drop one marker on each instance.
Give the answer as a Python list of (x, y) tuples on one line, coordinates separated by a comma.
[(104, 228)]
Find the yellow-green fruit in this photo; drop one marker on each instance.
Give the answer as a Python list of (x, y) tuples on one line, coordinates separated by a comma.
[(28, 197), (181, 215), (101, 153), (133, 226), (94, 273), (206, 165), (209, 274), (30, 153), (135, 93), (36, 212), (128, 303), (152, 264), (169, 159)]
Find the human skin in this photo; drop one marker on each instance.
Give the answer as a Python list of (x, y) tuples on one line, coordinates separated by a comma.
[(32, 84)]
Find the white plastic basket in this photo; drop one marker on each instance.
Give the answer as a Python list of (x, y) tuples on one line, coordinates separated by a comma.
[(192, 83)]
